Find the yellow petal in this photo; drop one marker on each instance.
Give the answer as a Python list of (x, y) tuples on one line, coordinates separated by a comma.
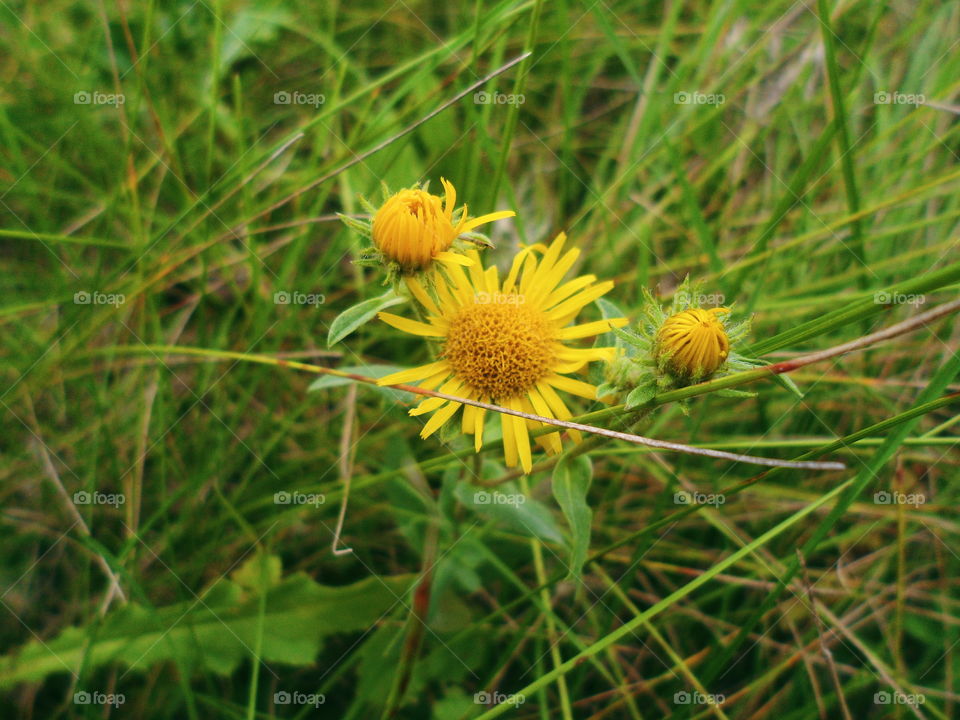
[(589, 329), (509, 440), (451, 387), (413, 374), (550, 441), (484, 219), (560, 410), (578, 301), (567, 289), (478, 419), (522, 439), (422, 296), (574, 387), (410, 326), (438, 419), (450, 259)]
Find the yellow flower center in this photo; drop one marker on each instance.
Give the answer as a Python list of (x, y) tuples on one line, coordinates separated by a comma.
[(412, 227), (695, 341), (499, 346)]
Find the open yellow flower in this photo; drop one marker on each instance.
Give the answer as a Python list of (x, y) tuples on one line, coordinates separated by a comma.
[(504, 343), (413, 228), (694, 342)]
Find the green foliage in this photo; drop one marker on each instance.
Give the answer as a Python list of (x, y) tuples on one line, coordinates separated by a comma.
[(816, 197), (219, 628)]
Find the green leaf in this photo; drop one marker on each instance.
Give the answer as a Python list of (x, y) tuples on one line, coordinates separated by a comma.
[(609, 311), (217, 631), (787, 382), (352, 318), (571, 480), (640, 395), (260, 573), (332, 381), (508, 506)]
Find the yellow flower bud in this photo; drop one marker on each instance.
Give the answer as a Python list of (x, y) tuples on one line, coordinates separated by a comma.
[(694, 342), (413, 227)]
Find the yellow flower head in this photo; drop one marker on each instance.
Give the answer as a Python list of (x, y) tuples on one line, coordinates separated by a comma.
[(413, 228), (504, 343), (694, 342)]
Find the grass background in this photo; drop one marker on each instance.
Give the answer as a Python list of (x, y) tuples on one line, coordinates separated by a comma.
[(797, 199)]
